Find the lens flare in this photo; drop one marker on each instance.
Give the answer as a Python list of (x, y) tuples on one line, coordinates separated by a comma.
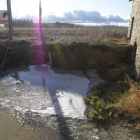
[(40, 45)]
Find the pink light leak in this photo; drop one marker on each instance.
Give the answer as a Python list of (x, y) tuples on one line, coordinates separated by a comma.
[(40, 45)]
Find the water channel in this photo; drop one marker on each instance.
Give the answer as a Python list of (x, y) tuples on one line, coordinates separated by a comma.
[(41, 103)]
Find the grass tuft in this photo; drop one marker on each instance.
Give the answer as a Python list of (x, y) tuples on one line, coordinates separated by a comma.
[(130, 104), (104, 97)]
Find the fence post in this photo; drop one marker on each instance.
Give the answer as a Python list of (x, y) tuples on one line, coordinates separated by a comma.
[(9, 19)]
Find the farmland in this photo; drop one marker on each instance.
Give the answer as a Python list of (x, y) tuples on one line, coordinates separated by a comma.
[(92, 35)]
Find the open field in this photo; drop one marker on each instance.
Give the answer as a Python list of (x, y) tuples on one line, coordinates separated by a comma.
[(112, 36)]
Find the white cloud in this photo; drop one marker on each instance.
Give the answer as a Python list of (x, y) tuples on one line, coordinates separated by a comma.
[(80, 16)]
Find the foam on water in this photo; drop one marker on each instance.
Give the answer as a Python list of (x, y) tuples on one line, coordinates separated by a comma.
[(41, 90)]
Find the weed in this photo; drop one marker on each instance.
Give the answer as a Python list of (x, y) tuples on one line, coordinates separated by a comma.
[(121, 97), (97, 105), (87, 100), (129, 105), (105, 95)]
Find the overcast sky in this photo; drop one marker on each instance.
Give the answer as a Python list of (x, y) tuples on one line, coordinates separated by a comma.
[(72, 10)]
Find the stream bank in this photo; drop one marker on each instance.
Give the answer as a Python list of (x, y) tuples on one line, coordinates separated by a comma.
[(74, 55)]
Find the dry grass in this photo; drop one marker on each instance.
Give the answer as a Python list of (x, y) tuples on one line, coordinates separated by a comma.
[(130, 104), (111, 36), (77, 44)]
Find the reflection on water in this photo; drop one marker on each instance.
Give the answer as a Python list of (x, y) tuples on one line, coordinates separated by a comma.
[(42, 104), (41, 90)]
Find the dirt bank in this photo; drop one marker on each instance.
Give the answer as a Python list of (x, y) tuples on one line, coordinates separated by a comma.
[(114, 60)]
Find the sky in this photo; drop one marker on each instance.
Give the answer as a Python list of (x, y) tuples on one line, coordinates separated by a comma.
[(79, 11)]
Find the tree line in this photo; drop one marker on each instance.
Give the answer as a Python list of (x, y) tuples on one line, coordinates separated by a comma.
[(26, 23), (21, 23)]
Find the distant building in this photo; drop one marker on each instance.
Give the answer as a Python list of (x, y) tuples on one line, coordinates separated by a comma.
[(134, 34)]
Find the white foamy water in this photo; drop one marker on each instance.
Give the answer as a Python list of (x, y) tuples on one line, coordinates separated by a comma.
[(43, 91)]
